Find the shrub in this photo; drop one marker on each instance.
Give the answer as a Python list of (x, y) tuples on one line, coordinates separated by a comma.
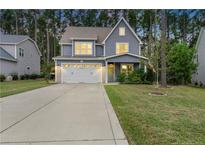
[(26, 76), (134, 77), (42, 75), (137, 76), (22, 77), (47, 70), (14, 76), (180, 62), (201, 84), (34, 76), (121, 77), (2, 78)]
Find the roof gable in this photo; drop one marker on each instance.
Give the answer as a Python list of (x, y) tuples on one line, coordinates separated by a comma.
[(202, 31), (16, 39), (5, 55), (84, 33), (126, 23), (128, 54)]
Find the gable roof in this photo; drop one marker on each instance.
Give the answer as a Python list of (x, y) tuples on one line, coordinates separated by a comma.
[(85, 33), (200, 35), (16, 39), (100, 34), (5, 55), (12, 39), (123, 19), (129, 54)]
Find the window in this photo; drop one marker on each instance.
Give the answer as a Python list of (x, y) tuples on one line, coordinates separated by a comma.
[(83, 48), (121, 48), (127, 68), (122, 31), (21, 52)]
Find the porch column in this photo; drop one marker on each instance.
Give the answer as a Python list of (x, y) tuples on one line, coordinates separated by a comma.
[(145, 68), (106, 72), (56, 69)]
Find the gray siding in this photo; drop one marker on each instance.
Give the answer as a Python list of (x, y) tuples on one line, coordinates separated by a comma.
[(124, 59), (7, 67), (31, 58), (66, 50), (200, 75), (129, 37), (99, 51)]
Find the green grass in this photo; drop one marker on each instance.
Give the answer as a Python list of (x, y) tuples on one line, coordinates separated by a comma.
[(178, 118), (14, 87)]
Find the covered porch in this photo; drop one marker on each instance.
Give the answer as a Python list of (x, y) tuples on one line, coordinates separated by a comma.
[(126, 63)]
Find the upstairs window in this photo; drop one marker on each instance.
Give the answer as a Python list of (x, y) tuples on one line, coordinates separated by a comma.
[(122, 31), (83, 48), (122, 48), (21, 52)]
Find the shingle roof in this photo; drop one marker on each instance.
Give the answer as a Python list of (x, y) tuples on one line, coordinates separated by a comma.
[(95, 33), (5, 55), (13, 39)]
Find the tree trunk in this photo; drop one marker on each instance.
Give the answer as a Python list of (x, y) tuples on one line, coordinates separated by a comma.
[(35, 22), (163, 48), (48, 45), (150, 34), (16, 19)]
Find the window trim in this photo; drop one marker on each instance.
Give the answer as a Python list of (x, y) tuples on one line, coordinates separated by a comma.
[(120, 28), (80, 54), (121, 43), (21, 52), (126, 64)]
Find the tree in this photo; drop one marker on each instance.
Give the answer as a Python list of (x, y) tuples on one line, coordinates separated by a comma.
[(163, 48), (181, 63)]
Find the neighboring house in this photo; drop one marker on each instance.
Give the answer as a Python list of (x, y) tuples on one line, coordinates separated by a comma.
[(97, 54), (18, 54), (199, 76)]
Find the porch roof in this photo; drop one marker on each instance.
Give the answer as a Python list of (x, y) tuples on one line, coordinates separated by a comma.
[(127, 57)]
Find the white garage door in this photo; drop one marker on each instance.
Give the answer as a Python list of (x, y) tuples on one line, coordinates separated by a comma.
[(81, 73)]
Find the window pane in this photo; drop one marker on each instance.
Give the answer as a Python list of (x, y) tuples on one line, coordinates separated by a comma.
[(83, 48), (121, 48), (122, 31), (127, 68)]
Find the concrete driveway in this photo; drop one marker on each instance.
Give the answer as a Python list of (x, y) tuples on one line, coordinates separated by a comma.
[(60, 114)]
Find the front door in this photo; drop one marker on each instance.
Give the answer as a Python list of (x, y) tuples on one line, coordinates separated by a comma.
[(111, 72)]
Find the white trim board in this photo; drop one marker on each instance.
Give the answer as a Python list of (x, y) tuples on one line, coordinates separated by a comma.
[(127, 54), (199, 38)]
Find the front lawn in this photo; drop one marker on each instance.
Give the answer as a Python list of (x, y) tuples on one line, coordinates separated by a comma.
[(178, 118), (14, 87)]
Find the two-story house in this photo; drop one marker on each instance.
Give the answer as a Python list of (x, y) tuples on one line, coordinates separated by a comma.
[(97, 54), (19, 54)]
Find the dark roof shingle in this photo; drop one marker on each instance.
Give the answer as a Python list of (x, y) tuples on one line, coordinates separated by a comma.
[(95, 33), (13, 39)]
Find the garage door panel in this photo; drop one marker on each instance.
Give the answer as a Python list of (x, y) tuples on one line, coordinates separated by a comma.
[(81, 73)]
